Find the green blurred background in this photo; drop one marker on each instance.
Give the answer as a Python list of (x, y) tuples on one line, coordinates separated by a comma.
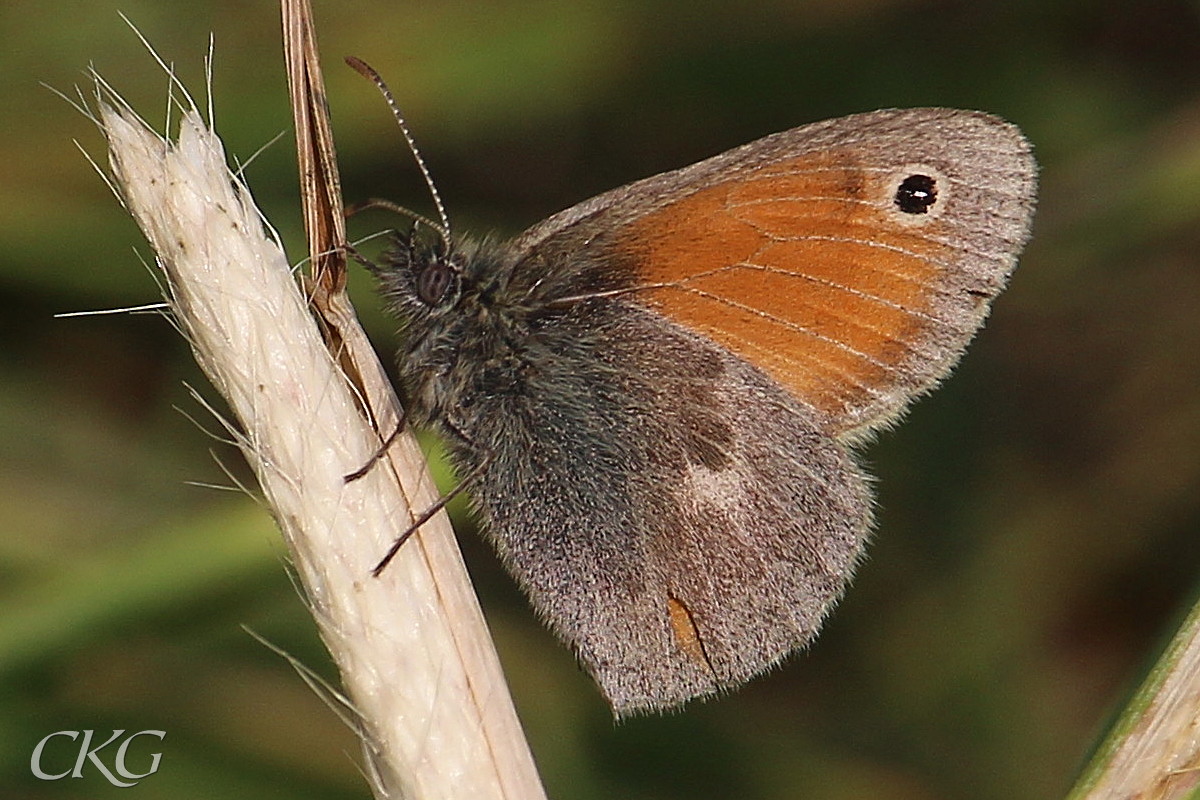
[(1038, 515)]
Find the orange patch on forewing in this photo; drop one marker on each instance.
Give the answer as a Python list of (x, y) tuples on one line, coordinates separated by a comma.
[(798, 269), (673, 240), (686, 635)]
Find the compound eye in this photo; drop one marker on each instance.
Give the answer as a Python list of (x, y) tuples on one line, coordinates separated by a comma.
[(433, 282)]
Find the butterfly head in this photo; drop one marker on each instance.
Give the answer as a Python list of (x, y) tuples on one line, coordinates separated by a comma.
[(450, 301), (421, 276)]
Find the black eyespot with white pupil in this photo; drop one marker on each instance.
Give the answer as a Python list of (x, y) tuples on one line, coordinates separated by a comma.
[(916, 194), (433, 281)]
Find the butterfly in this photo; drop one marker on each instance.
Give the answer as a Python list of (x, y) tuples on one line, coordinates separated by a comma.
[(654, 394)]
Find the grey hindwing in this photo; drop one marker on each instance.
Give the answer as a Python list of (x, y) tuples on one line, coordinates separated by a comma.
[(639, 477)]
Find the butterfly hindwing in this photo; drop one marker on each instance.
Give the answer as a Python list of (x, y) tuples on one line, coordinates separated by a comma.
[(688, 526)]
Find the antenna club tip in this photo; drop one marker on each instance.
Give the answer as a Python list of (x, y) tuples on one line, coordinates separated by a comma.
[(364, 69), (360, 66)]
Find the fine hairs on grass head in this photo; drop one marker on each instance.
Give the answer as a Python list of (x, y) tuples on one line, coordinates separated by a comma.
[(420, 678)]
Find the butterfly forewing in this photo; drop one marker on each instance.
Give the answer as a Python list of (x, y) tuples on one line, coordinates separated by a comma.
[(799, 253)]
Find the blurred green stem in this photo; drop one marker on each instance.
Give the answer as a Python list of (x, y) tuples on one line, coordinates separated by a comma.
[(1153, 750)]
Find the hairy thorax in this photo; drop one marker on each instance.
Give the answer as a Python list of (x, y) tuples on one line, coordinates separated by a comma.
[(454, 360)]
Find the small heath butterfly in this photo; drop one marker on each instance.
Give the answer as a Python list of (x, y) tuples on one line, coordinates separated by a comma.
[(653, 394)]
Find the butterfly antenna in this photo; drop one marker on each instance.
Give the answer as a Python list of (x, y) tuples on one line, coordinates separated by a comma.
[(395, 208), (369, 73)]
